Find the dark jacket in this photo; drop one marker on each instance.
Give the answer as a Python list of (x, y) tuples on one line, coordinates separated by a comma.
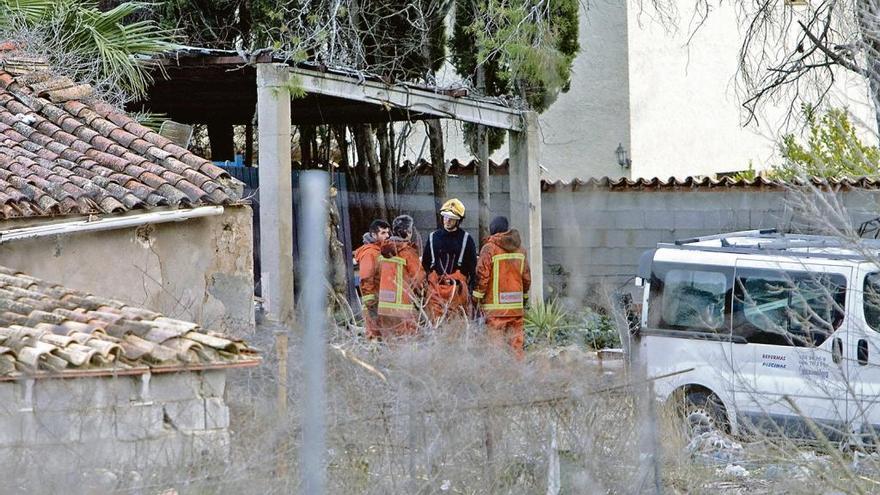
[(447, 249)]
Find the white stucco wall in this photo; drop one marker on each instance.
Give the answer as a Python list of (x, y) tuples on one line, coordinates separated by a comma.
[(673, 105), (686, 112), (583, 128)]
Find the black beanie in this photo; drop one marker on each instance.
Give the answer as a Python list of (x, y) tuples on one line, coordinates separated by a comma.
[(498, 224)]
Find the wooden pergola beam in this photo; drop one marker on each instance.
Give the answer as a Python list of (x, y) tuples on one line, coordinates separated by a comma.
[(408, 98)]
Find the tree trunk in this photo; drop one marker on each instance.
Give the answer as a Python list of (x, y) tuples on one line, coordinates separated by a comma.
[(365, 136), (249, 145), (395, 168), (220, 136), (305, 146), (386, 160), (483, 193), (365, 180), (438, 165)]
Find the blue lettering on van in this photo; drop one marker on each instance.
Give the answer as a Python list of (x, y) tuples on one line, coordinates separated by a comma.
[(816, 373), (773, 365), (775, 357)]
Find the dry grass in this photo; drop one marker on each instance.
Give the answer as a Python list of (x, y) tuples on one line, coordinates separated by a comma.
[(453, 414), (446, 414)]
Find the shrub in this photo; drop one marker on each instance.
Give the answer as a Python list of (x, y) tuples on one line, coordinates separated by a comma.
[(598, 331), (546, 323), (552, 324)]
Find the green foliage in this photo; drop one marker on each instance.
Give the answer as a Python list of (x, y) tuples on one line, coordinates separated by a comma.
[(598, 331), (524, 47), (552, 324), (545, 322), (747, 174), (830, 149), (148, 119), (90, 34)]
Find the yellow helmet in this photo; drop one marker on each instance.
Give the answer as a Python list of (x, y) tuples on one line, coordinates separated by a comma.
[(453, 209)]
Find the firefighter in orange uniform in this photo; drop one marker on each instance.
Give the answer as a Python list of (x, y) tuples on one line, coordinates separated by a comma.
[(367, 259), (503, 281), (450, 259), (399, 278)]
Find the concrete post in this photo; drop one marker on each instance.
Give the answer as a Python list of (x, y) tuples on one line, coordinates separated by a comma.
[(276, 194), (525, 197)]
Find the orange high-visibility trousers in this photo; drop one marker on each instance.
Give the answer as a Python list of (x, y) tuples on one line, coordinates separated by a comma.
[(371, 325), (394, 327), (509, 330)]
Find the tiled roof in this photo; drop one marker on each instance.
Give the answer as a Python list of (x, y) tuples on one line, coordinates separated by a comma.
[(458, 167), (706, 183), (47, 329), (64, 152)]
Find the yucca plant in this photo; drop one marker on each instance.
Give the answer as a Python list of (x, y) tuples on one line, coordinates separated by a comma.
[(546, 322), (114, 52)]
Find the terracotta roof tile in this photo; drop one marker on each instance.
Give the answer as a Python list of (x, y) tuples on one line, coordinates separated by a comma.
[(47, 128), (136, 129), (140, 146), (47, 329), (174, 195), (707, 183), (75, 155), (213, 171), (117, 150), (100, 142), (122, 137), (199, 179), (194, 193), (5, 80), (155, 199)]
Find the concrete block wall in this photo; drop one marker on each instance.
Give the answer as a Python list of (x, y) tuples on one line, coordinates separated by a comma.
[(142, 422), (420, 202), (593, 237)]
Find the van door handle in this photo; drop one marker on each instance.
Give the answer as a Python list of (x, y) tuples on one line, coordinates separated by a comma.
[(863, 352), (837, 350)]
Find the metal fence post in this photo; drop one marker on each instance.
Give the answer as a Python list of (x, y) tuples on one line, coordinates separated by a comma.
[(314, 188)]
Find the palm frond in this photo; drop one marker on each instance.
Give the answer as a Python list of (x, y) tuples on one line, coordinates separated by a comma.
[(85, 31)]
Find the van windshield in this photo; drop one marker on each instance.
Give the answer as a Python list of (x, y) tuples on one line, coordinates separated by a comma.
[(872, 300)]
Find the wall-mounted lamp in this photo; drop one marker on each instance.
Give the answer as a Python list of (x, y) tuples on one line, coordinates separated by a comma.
[(622, 156)]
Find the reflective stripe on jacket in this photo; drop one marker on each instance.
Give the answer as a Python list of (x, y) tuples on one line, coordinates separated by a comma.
[(503, 276), (398, 276)]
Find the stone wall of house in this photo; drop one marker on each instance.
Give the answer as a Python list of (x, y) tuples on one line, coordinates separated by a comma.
[(57, 430), (197, 270)]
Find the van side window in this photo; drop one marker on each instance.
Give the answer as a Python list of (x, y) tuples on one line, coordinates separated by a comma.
[(787, 308), (688, 299), (871, 302)]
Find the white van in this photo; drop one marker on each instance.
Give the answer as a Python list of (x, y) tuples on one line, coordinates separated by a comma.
[(763, 330)]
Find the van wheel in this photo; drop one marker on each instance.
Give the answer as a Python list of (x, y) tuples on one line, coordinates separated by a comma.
[(702, 412)]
